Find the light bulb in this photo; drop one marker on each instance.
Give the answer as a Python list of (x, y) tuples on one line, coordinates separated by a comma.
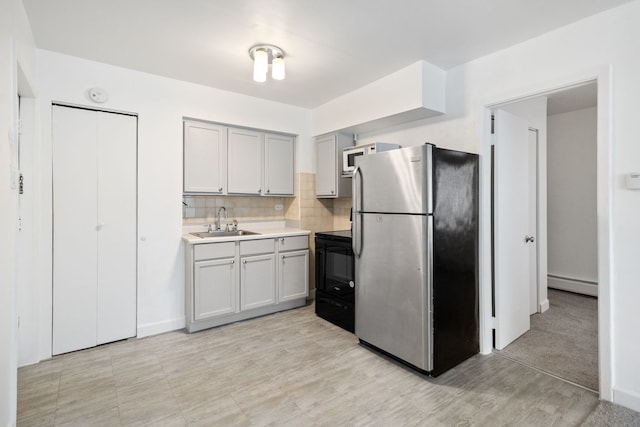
[(277, 68), (260, 65)]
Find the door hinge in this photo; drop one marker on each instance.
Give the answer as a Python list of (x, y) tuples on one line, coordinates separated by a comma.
[(19, 126), (493, 124), (493, 322)]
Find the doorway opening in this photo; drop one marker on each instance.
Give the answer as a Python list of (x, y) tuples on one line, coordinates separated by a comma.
[(557, 255)]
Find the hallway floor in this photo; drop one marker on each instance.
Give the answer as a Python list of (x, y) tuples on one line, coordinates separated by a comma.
[(563, 340)]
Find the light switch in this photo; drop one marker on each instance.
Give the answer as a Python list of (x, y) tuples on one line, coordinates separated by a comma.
[(633, 181)]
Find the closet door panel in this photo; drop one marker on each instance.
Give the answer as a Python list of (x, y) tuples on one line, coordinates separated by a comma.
[(94, 227), (117, 232), (74, 229)]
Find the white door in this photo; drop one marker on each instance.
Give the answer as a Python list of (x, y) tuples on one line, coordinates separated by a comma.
[(75, 238), (94, 227), (511, 227), (117, 226)]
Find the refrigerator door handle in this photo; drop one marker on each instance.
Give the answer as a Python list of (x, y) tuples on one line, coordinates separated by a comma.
[(356, 242)]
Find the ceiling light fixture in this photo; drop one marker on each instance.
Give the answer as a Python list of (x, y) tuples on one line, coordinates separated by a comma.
[(263, 55)]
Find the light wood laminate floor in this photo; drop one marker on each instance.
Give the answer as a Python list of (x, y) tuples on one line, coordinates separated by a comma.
[(286, 369)]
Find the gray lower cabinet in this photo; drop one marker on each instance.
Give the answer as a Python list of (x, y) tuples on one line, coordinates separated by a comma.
[(257, 274), (293, 268), (230, 281), (214, 288)]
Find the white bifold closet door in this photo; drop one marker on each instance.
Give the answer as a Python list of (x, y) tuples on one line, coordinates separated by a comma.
[(94, 227)]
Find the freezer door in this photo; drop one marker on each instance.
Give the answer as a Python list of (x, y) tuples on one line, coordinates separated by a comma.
[(393, 286), (396, 181)]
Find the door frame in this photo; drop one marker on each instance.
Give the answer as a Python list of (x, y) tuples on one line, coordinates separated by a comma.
[(539, 250), (602, 75)]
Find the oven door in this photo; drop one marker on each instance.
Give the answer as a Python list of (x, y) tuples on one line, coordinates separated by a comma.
[(335, 269)]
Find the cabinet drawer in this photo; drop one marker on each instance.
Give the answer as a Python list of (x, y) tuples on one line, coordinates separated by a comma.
[(293, 243), (262, 246), (214, 250)]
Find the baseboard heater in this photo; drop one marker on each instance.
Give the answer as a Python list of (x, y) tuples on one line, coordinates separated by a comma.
[(571, 284)]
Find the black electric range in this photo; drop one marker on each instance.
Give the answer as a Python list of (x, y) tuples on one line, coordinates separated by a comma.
[(335, 287)]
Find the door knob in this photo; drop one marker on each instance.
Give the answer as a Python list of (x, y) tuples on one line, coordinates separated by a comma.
[(529, 239)]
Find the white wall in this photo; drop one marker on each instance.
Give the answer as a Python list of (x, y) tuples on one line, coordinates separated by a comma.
[(16, 50), (572, 196), (572, 54), (160, 104)]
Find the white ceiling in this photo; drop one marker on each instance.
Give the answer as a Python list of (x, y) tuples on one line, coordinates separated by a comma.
[(332, 46)]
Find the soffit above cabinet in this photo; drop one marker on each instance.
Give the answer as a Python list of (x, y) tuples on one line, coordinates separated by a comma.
[(412, 93)]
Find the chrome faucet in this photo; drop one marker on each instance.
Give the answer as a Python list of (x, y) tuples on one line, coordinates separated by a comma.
[(222, 208)]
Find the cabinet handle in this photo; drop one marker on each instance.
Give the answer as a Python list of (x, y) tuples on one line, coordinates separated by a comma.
[(333, 192), (259, 190), (220, 189), (282, 256), (268, 191), (282, 240), (233, 261), (244, 261)]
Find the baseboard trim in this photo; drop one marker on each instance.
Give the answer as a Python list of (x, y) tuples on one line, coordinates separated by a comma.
[(572, 285), (160, 327), (628, 399), (544, 306)]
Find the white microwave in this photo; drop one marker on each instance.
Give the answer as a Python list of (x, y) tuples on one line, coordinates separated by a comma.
[(350, 154)]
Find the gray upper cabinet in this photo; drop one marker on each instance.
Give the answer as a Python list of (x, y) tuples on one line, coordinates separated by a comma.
[(205, 158), (226, 160), (329, 182), (279, 165), (245, 161)]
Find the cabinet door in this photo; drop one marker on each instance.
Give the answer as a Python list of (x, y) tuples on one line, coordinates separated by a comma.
[(279, 163), (326, 166), (205, 158), (257, 281), (215, 288), (245, 161), (293, 275)]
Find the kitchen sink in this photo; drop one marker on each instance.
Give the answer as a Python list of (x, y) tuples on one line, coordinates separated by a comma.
[(223, 233)]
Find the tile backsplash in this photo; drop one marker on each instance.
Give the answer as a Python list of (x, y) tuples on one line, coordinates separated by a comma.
[(205, 208), (304, 209)]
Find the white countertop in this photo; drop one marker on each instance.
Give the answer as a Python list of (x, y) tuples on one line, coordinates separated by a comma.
[(264, 230)]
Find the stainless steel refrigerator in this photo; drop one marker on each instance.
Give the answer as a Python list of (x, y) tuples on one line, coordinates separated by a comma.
[(415, 239)]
